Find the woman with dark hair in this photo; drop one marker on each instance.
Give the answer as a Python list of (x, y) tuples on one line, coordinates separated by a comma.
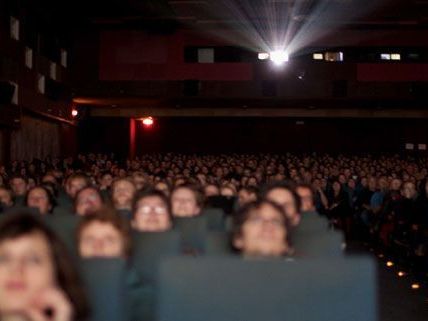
[(41, 198), (261, 229), (37, 277)]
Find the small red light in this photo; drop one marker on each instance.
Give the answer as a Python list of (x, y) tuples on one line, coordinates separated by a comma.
[(74, 112), (148, 121)]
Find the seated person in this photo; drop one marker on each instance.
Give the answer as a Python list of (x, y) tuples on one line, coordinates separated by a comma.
[(41, 198), (107, 234), (261, 230), (151, 212), (88, 200), (247, 194), (19, 186), (284, 195), (37, 277), (122, 193), (186, 201), (103, 234), (6, 198), (74, 183)]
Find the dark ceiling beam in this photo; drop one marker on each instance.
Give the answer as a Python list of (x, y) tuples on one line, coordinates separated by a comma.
[(258, 112)]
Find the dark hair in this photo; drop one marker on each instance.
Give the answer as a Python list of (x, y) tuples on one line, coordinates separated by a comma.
[(243, 214), (286, 185), (24, 223), (110, 216), (83, 189), (50, 196), (78, 176), (151, 193)]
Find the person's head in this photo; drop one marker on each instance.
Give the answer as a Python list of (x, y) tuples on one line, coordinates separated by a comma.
[(140, 180), (18, 185), (306, 195), (104, 234), (88, 200), (186, 201), (228, 190), (247, 194), (41, 198), (75, 183), (105, 180), (33, 260), (409, 190), (211, 190), (122, 193), (337, 187), (395, 185), (151, 212), (283, 194), (6, 197), (261, 230), (163, 187)]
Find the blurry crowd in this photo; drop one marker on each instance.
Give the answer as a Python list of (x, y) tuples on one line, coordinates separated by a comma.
[(264, 205)]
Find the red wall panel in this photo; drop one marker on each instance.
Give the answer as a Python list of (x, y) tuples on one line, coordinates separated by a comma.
[(134, 56), (392, 72)]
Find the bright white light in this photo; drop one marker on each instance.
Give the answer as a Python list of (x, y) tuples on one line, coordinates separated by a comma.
[(395, 56), (318, 56), (263, 56), (74, 112), (385, 56), (148, 121), (278, 57)]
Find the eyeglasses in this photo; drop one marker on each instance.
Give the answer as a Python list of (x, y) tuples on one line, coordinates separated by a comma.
[(147, 209)]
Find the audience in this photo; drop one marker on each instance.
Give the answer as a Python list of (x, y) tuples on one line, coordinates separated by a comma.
[(381, 201)]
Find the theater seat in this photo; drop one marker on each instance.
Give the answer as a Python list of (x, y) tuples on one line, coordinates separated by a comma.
[(192, 233), (235, 289), (215, 219), (65, 227), (150, 248), (217, 243), (321, 244), (105, 281)]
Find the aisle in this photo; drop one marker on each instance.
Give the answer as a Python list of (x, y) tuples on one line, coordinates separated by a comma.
[(397, 300)]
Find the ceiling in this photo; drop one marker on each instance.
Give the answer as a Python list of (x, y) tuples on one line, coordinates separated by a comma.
[(161, 15)]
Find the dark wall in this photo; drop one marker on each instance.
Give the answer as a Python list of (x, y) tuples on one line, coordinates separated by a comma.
[(215, 135)]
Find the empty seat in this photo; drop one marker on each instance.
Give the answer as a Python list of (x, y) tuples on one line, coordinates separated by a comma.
[(231, 289)]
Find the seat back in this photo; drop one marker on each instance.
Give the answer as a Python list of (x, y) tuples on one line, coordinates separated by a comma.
[(192, 232), (150, 248), (231, 289), (105, 282)]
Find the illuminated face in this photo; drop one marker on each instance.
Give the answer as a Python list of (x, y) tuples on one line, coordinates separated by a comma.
[(184, 204), (285, 199), (151, 215), (122, 194), (211, 190), (75, 185), (263, 234), (88, 201), (101, 239), (26, 269), (38, 198), (306, 198)]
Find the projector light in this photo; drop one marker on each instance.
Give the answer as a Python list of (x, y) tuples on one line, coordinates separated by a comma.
[(279, 57), (263, 56)]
